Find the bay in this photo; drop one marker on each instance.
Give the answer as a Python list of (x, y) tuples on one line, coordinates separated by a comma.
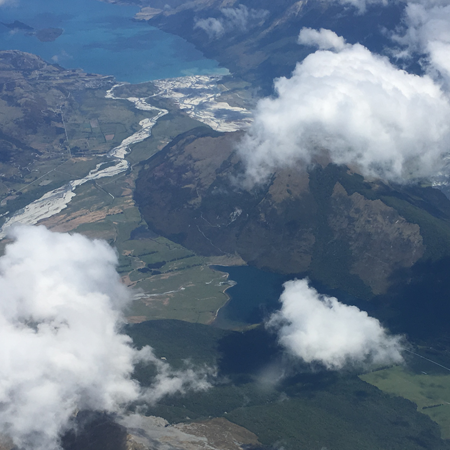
[(101, 38), (252, 299), (255, 294)]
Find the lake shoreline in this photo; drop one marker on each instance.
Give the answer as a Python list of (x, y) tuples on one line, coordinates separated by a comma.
[(104, 38), (256, 295)]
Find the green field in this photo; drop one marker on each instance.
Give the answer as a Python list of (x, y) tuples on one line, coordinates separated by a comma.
[(192, 294), (430, 392)]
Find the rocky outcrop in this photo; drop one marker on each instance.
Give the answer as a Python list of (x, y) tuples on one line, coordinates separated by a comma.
[(380, 240), (216, 434)]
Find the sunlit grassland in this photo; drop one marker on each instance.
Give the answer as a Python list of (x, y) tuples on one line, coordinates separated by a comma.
[(190, 294), (429, 391)]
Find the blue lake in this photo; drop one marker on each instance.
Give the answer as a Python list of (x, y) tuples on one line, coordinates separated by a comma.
[(101, 38), (255, 296)]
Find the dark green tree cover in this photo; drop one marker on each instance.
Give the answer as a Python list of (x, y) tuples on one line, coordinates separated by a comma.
[(306, 409)]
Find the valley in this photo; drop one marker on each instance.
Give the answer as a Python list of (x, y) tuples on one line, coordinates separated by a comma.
[(154, 169)]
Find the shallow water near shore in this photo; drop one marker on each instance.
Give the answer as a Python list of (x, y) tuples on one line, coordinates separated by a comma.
[(100, 38)]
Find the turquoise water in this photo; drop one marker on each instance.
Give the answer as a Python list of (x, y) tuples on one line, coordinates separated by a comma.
[(101, 38)]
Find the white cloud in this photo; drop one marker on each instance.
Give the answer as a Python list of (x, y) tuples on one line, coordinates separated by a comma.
[(358, 108), (169, 381), (323, 39), (426, 30), (318, 328), (213, 27), (61, 303), (238, 19)]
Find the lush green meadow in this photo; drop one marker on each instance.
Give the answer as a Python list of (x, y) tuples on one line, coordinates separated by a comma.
[(429, 391)]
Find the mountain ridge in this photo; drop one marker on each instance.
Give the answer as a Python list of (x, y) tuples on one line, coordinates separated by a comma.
[(326, 221)]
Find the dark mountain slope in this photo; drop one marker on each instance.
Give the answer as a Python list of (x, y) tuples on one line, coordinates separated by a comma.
[(325, 221), (263, 50)]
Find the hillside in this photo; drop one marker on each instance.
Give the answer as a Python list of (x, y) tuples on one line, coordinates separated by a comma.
[(326, 221), (259, 41)]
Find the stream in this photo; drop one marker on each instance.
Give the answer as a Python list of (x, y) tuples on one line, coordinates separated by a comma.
[(53, 202)]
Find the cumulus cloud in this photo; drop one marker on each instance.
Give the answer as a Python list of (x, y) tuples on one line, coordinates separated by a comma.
[(426, 30), (357, 108), (317, 328), (238, 19), (323, 39), (61, 350)]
